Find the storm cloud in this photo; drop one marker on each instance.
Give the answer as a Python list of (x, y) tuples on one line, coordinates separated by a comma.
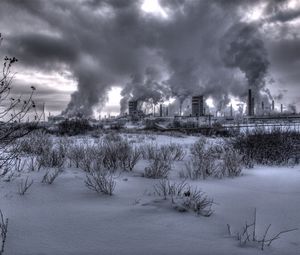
[(153, 57)]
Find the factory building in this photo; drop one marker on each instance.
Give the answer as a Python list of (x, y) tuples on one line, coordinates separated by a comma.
[(132, 107), (198, 106)]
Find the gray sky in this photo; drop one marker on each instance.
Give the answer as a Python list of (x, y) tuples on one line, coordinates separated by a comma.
[(77, 52)]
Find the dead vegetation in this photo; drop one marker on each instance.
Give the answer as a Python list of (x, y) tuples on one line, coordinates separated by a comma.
[(212, 160), (184, 197), (248, 234)]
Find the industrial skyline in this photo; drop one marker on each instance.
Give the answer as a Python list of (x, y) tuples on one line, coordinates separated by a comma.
[(80, 55)]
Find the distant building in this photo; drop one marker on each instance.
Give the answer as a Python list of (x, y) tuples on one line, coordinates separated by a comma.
[(132, 107), (198, 106), (56, 119)]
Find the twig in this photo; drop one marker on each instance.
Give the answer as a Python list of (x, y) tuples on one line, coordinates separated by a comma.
[(264, 237), (278, 235), (254, 226), (3, 229)]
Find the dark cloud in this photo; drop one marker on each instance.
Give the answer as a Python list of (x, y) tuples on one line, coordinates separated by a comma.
[(105, 43), (53, 98), (243, 48)]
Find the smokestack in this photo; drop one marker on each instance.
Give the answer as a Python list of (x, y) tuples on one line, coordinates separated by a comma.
[(167, 111), (160, 110), (252, 105), (198, 106), (180, 108), (249, 102), (273, 105), (281, 108), (231, 111), (263, 106)]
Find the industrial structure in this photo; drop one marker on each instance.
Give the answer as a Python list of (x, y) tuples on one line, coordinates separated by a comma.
[(250, 103), (132, 107), (198, 106)]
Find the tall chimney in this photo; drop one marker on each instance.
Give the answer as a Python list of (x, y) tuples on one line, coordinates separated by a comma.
[(273, 105), (231, 111), (160, 110), (281, 108), (252, 106), (249, 102), (262, 105)]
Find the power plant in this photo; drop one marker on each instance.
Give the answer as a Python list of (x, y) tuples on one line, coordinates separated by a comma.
[(194, 114)]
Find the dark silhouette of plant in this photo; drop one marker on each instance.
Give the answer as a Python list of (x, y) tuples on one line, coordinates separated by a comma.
[(12, 114)]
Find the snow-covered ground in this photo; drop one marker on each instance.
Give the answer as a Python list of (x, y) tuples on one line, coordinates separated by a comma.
[(67, 218)]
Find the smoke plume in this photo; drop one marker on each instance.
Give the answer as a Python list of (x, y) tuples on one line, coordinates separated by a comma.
[(244, 49), (197, 47)]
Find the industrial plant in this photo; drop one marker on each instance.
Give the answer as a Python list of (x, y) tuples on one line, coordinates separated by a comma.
[(196, 115)]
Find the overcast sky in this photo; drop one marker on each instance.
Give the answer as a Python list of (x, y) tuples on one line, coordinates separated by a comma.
[(79, 54)]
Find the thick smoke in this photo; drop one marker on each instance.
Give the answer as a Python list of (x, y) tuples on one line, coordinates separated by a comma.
[(187, 52), (145, 88), (244, 49), (106, 43)]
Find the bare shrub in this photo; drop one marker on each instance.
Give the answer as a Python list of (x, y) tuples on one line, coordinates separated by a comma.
[(201, 167), (166, 189), (18, 165), (63, 145), (165, 152), (32, 163), (35, 143), (101, 181), (13, 170), (76, 153), (133, 158), (149, 151), (197, 201), (123, 150), (232, 162), (202, 163), (248, 234), (110, 155), (198, 147), (216, 160), (8, 174), (269, 147), (88, 157), (51, 175), (128, 156), (159, 167), (171, 151), (183, 197), (24, 186), (109, 151), (4, 230), (52, 158), (177, 151)]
